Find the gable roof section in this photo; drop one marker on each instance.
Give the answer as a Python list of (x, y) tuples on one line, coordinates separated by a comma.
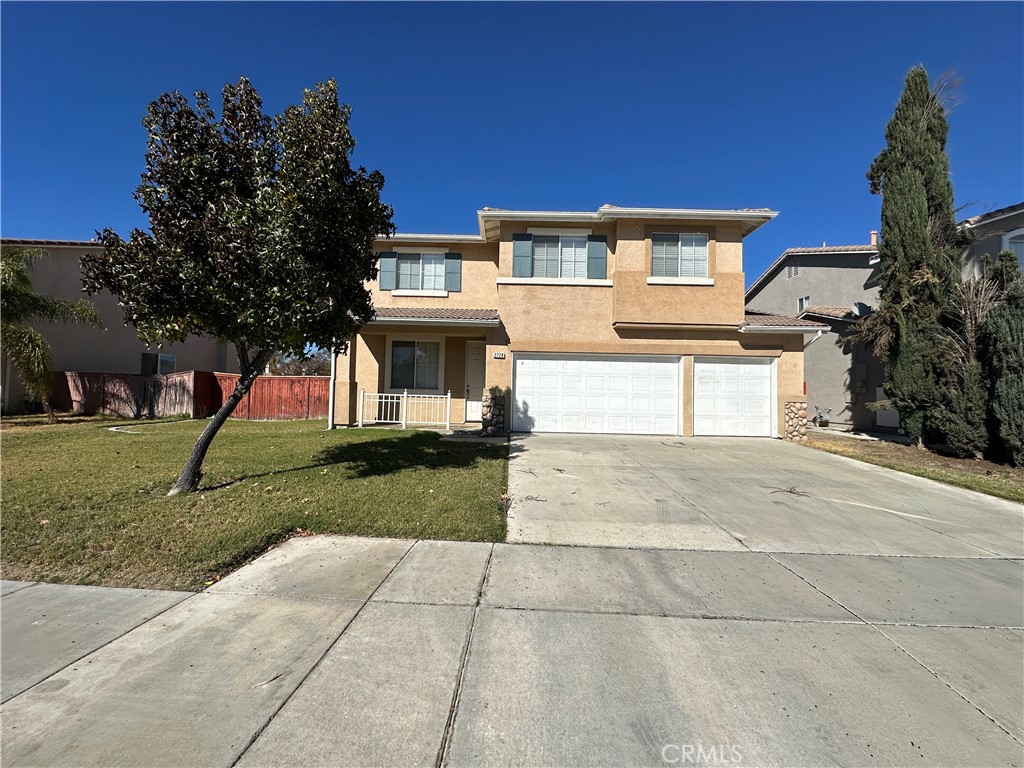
[(17, 242), (999, 213), (766, 322), (836, 313), (777, 265)]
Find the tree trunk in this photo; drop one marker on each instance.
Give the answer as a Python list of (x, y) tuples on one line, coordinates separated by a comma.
[(191, 474)]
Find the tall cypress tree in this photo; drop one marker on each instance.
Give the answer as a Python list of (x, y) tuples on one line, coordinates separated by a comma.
[(1006, 361), (918, 258)]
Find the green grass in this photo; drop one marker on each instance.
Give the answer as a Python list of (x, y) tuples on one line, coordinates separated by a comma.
[(982, 476), (85, 505)]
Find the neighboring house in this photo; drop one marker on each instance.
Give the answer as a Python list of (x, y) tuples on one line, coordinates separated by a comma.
[(91, 350), (836, 285), (620, 320), (994, 232)]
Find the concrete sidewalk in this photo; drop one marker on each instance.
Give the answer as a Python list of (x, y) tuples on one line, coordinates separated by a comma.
[(344, 651)]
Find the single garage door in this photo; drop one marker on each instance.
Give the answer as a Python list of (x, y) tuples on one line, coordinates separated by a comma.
[(732, 397), (586, 393)]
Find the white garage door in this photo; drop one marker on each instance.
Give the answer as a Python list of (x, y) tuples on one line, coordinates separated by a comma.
[(614, 394), (732, 397)]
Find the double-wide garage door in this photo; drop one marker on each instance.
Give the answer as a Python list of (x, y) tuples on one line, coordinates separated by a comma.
[(615, 394), (621, 394)]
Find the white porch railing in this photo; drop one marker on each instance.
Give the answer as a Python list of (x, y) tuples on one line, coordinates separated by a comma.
[(405, 409)]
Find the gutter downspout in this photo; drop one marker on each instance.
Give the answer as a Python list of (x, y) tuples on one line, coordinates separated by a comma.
[(814, 339), (334, 379)]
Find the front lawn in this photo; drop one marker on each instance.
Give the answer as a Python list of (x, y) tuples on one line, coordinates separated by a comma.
[(86, 505), (983, 476)]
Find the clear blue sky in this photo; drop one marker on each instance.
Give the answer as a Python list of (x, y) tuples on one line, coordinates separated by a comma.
[(531, 106)]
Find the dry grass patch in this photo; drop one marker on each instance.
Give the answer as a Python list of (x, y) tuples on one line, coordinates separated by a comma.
[(86, 505), (983, 476)]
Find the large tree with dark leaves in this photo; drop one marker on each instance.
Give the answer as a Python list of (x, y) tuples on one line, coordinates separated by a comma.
[(261, 233), (918, 252)]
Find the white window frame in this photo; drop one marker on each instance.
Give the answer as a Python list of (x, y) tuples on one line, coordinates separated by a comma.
[(704, 279), (803, 303), (420, 291), (560, 258), (416, 338), (161, 358), (1017, 233)]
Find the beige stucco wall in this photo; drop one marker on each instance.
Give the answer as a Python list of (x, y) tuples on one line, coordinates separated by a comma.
[(479, 270), (578, 319), (364, 366), (114, 350)]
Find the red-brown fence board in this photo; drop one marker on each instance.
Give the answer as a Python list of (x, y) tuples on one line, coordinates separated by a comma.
[(197, 393)]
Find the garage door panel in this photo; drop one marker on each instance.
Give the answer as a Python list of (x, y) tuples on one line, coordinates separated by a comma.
[(594, 394), (733, 397)]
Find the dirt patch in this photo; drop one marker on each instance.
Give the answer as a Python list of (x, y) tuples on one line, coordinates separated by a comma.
[(984, 476)]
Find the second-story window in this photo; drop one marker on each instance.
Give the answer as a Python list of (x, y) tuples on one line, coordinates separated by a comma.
[(433, 270), (560, 256), (679, 255), (803, 303), (421, 271)]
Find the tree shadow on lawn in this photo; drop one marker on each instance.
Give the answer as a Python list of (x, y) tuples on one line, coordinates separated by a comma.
[(385, 455)]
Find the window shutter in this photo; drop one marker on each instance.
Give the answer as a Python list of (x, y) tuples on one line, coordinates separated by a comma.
[(388, 271), (597, 257), (522, 255), (453, 272)]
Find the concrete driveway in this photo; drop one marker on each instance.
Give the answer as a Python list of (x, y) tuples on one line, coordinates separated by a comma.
[(738, 494), (343, 651)]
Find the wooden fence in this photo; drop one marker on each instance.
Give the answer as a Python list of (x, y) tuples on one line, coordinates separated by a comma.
[(198, 394), (276, 398)]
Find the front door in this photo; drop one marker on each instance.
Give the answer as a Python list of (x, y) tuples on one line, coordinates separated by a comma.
[(476, 362)]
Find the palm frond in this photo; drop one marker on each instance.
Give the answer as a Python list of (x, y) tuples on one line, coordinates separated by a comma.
[(29, 353)]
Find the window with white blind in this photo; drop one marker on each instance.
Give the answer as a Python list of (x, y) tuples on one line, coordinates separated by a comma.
[(803, 303), (421, 271), (560, 256), (679, 255)]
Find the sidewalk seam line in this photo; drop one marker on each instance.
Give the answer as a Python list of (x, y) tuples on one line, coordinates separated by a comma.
[(443, 750), (316, 664), (104, 645)]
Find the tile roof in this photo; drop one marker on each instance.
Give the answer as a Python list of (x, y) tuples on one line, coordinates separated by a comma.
[(834, 249), (982, 217), (29, 243), (436, 313), (839, 313), (757, 319)]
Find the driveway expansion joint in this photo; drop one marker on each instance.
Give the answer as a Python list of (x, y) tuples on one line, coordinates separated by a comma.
[(949, 685)]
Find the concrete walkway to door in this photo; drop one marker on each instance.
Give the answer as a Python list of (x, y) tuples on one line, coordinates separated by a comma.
[(742, 494)]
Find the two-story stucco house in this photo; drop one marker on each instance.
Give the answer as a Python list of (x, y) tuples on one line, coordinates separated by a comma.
[(835, 285), (115, 349), (620, 320)]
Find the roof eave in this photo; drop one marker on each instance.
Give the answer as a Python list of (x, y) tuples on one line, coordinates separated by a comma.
[(490, 220), (416, 237), (434, 321), (784, 328)]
